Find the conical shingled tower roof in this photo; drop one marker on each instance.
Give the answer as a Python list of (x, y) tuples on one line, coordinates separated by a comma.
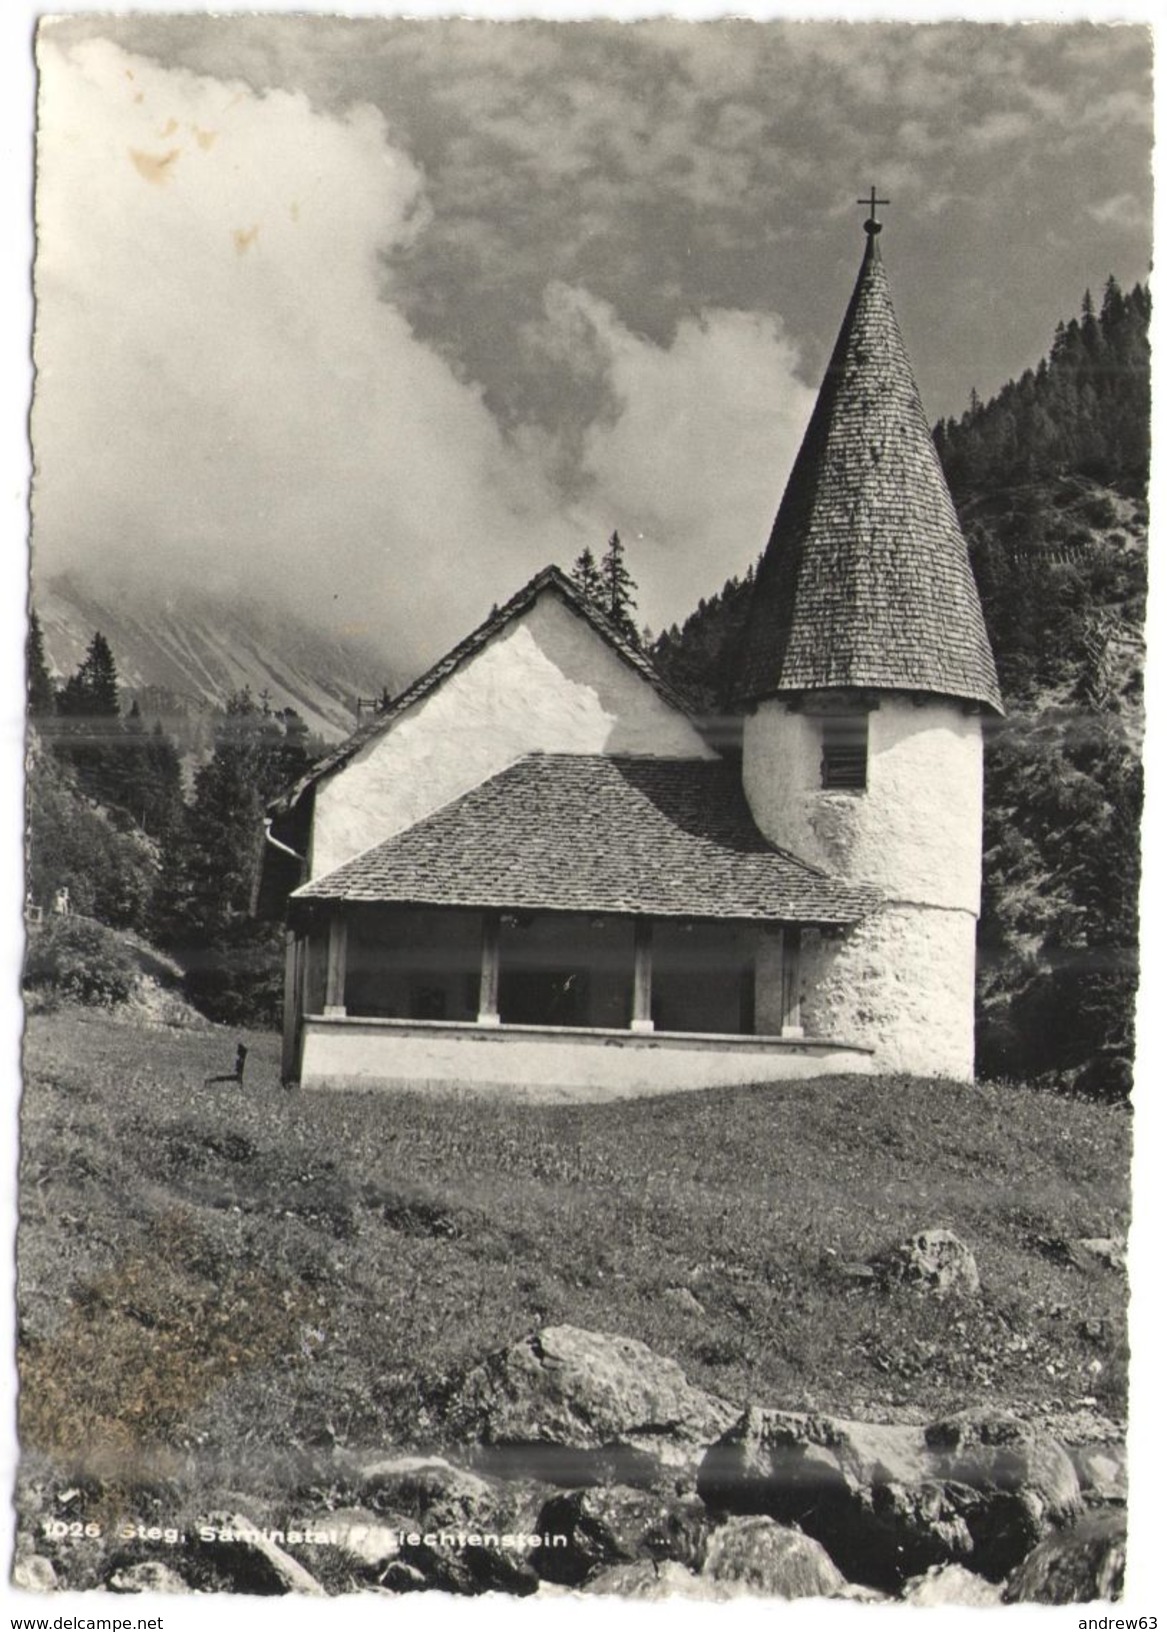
[(866, 581)]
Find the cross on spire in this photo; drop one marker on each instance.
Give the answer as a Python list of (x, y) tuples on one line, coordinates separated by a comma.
[(871, 226)]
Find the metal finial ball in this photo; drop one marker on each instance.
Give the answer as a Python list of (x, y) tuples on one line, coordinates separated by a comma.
[(872, 228)]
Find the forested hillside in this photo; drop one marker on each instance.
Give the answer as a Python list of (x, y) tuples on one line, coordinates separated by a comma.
[(1050, 481), (1085, 409), (121, 840), (1049, 478)]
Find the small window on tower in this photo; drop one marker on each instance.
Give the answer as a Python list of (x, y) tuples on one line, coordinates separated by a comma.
[(845, 751)]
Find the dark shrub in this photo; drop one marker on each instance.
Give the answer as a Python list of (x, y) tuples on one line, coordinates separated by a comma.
[(238, 982), (79, 958), (75, 844)]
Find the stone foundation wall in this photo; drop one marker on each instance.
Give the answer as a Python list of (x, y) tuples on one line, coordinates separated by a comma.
[(900, 982)]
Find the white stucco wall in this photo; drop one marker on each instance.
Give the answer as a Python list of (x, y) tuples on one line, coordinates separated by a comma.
[(548, 682), (530, 1063), (901, 982), (915, 832)]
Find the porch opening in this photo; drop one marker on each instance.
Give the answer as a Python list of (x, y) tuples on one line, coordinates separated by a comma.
[(414, 964), (553, 969), (564, 969), (703, 976)]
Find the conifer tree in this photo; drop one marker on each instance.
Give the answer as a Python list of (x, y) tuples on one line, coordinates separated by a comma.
[(133, 763), (91, 738), (151, 775), (211, 863), (618, 590), (92, 692), (585, 574), (1112, 307), (42, 694), (205, 905), (164, 773)]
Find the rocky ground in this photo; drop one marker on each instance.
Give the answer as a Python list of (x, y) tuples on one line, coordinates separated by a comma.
[(578, 1460)]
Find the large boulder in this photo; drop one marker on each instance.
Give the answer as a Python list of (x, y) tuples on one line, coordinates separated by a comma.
[(365, 1541), (478, 1562), (1024, 1481), (428, 1493), (617, 1524), (932, 1260), (946, 1584), (889, 1502), (1076, 1566), (1091, 1252), (149, 1575), (575, 1407), (397, 1577), (651, 1580), (34, 1573), (1101, 1470), (757, 1555), (433, 1491), (405, 1553), (250, 1558)]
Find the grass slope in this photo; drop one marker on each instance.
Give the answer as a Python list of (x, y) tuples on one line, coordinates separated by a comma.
[(216, 1277)]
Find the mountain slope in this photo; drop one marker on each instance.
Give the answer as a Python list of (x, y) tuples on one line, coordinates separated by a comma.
[(201, 648), (1062, 569)]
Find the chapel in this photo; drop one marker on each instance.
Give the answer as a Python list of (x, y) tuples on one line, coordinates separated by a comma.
[(535, 869)]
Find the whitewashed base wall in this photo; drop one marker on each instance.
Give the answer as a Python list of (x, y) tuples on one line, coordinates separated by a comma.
[(541, 1063)]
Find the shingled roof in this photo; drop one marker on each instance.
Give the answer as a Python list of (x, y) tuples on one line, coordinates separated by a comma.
[(866, 580), (551, 578), (669, 838)]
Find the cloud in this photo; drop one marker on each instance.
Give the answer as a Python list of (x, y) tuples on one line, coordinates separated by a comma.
[(223, 393), (1006, 126), (1125, 109), (1121, 210), (693, 464), (230, 395), (400, 311), (672, 166)]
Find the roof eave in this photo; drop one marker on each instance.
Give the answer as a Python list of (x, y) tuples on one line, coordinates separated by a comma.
[(971, 699), (840, 918)]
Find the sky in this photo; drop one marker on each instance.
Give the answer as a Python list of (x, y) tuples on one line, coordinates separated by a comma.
[(376, 318)]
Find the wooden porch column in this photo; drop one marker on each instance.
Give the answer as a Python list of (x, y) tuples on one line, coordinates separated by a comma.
[(642, 975), (293, 992), (792, 980), (488, 981), (337, 952)]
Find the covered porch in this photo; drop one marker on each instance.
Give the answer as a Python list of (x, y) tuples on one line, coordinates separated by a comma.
[(588, 1002)]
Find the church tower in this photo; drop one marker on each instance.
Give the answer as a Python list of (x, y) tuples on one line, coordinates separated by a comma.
[(864, 672)]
